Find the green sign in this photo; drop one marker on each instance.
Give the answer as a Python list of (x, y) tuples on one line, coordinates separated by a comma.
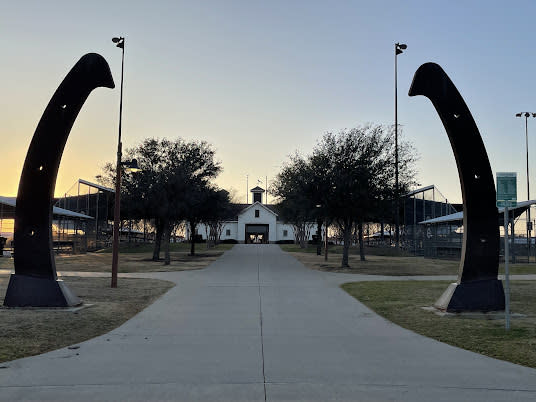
[(507, 189)]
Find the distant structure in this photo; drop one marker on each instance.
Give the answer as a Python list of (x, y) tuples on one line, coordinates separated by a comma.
[(442, 236), (419, 205), (255, 223)]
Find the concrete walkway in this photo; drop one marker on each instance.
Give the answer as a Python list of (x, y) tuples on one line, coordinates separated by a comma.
[(256, 325)]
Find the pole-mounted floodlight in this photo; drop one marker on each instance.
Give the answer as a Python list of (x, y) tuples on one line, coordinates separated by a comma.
[(120, 43), (526, 115), (131, 166), (399, 49)]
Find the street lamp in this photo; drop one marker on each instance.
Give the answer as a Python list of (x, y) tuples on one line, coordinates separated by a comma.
[(120, 43), (399, 49), (526, 115)]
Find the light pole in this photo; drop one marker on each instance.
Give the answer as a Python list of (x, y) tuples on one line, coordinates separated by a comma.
[(399, 49), (120, 43), (526, 115)]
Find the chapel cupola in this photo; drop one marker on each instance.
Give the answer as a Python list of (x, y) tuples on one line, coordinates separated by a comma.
[(257, 194)]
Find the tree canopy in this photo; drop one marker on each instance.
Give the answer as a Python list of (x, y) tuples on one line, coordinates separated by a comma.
[(174, 185), (349, 179)]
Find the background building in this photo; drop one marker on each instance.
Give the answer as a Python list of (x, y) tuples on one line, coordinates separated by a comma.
[(255, 223)]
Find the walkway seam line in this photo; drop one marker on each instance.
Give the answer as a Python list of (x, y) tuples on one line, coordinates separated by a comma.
[(260, 318)]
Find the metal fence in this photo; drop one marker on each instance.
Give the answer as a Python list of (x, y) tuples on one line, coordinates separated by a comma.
[(89, 199), (420, 205)]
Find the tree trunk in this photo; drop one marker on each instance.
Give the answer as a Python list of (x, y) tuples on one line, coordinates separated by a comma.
[(326, 240), (192, 238), (382, 237), (167, 235), (145, 231), (130, 231), (319, 237), (360, 237), (346, 246), (157, 240)]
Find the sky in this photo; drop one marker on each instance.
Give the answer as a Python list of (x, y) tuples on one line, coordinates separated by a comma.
[(261, 80)]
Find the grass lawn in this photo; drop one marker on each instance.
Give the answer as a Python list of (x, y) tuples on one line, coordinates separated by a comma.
[(173, 247), (401, 302), (139, 261), (29, 332), (377, 264), (337, 249)]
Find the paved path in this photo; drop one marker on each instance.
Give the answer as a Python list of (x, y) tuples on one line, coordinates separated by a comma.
[(256, 325)]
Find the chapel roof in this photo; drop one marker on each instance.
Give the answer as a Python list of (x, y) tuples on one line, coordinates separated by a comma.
[(236, 209)]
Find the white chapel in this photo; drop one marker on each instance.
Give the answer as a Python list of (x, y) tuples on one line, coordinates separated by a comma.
[(254, 223)]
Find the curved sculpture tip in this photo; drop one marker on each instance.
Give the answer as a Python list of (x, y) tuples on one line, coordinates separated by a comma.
[(95, 66), (425, 79)]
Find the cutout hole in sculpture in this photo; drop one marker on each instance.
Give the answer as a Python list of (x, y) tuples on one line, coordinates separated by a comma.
[(477, 176), (32, 233), (41, 168), (63, 106), (456, 115)]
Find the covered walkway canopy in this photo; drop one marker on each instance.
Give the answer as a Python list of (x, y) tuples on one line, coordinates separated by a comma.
[(7, 210), (458, 216), (443, 235)]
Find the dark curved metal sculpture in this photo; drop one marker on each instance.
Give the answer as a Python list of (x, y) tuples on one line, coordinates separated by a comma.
[(35, 282), (478, 287)]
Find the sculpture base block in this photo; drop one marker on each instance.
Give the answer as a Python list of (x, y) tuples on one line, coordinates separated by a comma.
[(486, 295), (29, 291)]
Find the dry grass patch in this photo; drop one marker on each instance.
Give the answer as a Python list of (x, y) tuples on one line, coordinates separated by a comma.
[(27, 332), (338, 249), (379, 265), (389, 265), (6, 263), (401, 302), (130, 262)]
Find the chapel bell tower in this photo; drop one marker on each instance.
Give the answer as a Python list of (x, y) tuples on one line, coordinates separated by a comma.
[(257, 194)]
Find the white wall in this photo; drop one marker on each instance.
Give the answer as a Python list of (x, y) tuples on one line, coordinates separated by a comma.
[(233, 227), (290, 231), (202, 229), (290, 228), (266, 217)]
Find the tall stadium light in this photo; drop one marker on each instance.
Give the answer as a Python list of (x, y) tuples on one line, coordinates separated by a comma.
[(526, 115), (120, 43), (399, 49)]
